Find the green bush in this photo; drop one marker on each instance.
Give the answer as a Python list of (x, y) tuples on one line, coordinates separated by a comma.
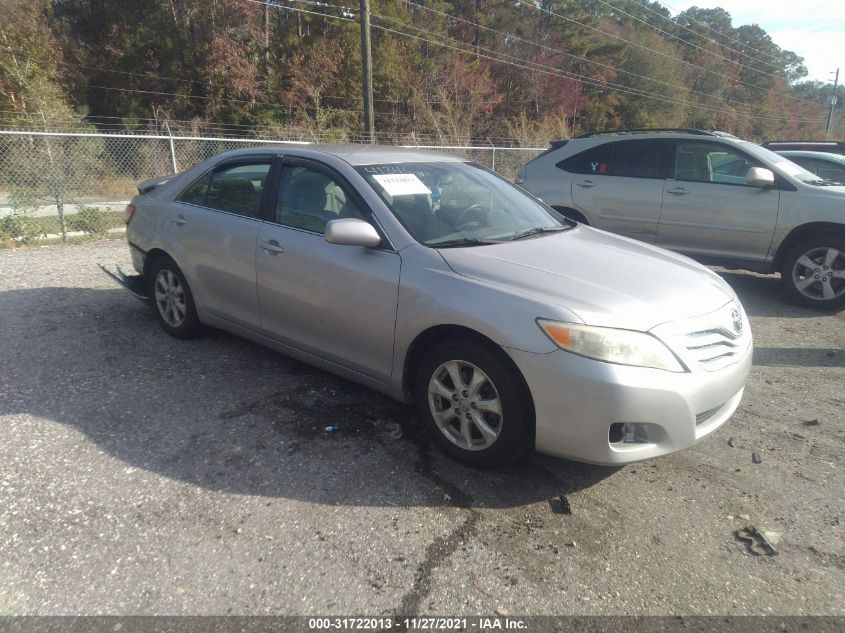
[(90, 220), (20, 228)]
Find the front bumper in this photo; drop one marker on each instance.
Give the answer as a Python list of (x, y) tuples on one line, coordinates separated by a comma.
[(576, 400)]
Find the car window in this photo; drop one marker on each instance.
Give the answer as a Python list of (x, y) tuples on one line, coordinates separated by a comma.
[(592, 161), (238, 189), (195, 194), (637, 159), (809, 164), (830, 170), (458, 204), (308, 198), (697, 161)]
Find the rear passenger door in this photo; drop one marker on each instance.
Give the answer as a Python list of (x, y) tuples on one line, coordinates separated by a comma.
[(619, 185), (709, 209), (213, 231)]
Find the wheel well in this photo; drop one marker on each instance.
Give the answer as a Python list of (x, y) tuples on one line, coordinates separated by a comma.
[(430, 337), (804, 232), (573, 214), (151, 256)]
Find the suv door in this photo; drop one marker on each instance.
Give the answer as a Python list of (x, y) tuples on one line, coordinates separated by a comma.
[(213, 231), (336, 302), (619, 185), (710, 210)]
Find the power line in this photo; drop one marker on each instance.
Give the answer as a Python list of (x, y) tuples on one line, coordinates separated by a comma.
[(573, 76), (573, 56), (701, 48), (662, 54), (705, 25)]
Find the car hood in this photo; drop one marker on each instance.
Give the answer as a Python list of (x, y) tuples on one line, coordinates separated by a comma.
[(605, 279)]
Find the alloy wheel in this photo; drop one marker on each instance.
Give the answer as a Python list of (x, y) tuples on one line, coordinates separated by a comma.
[(819, 273), (465, 405), (170, 298)]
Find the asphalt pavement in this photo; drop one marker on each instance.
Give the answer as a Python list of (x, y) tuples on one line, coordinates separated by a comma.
[(144, 475)]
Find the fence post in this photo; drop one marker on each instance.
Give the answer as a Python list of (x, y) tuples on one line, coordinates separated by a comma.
[(56, 184), (493, 166), (172, 148)]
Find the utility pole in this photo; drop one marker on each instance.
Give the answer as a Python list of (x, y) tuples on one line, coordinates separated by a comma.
[(832, 103), (367, 70)]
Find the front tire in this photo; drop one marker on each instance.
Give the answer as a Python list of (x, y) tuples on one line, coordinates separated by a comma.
[(172, 299), (813, 272), (472, 405)]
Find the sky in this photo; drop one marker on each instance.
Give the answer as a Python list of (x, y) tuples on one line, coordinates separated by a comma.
[(815, 29)]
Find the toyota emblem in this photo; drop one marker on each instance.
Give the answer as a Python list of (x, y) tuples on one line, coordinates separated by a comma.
[(736, 319)]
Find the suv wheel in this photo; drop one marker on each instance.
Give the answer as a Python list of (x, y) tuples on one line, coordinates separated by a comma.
[(814, 272), (472, 405), (172, 298)]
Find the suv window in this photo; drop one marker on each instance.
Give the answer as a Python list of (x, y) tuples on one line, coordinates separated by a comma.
[(238, 188), (309, 198), (638, 159), (592, 161), (700, 161), (632, 159)]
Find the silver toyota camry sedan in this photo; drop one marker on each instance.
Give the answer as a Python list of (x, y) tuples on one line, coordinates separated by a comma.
[(436, 281)]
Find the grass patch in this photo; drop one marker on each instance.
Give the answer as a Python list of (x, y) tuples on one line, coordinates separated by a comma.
[(110, 219)]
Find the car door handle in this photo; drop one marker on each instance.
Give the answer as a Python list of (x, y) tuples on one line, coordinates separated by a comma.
[(586, 184), (678, 191), (179, 220), (272, 247)]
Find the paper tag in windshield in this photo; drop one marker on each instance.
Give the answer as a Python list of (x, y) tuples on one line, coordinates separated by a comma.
[(401, 184)]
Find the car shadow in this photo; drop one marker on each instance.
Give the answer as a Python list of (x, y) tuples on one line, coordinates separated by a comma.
[(226, 414), (763, 295)]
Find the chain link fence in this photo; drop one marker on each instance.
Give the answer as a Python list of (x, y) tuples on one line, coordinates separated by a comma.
[(56, 184)]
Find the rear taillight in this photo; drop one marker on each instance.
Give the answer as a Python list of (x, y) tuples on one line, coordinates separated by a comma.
[(129, 213)]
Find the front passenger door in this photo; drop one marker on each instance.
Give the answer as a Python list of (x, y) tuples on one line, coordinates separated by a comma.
[(333, 301), (710, 210)]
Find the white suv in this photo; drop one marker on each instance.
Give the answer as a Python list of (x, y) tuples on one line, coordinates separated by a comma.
[(709, 195)]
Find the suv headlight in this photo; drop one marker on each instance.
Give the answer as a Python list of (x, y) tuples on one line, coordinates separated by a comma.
[(623, 347)]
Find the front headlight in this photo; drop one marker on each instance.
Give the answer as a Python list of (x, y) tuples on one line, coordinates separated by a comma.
[(623, 347)]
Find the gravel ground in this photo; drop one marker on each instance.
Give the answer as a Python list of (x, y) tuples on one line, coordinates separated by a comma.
[(144, 475)]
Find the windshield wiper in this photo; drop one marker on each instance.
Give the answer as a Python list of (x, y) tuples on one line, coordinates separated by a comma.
[(537, 230), (463, 241)]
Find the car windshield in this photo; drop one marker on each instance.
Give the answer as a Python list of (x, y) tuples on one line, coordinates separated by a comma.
[(783, 165), (451, 203)]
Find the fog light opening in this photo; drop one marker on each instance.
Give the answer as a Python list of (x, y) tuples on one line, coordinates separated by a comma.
[(628, 433)]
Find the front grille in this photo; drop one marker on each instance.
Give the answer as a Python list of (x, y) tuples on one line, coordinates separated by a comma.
[(714, 348)]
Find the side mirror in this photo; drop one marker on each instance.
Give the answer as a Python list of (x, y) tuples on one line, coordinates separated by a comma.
[(760, 177), (352, 232)]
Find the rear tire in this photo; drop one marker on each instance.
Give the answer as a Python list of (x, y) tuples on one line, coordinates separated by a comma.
[(813, 272), (172, 299), (485, 421)]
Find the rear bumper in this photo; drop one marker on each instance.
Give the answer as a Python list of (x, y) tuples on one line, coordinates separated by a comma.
[(133, 283), (576, 400)]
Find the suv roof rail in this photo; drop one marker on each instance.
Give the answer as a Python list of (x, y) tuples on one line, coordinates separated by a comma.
[(636, 130), (723, 134), (830, 143)]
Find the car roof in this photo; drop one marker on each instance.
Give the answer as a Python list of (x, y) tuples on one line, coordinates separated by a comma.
[(839, 158), (351, 153)]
